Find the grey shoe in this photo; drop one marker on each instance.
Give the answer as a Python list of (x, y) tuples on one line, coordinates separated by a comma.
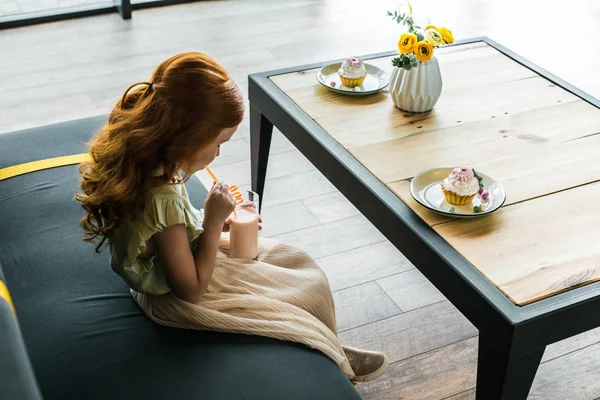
[(367, 365)]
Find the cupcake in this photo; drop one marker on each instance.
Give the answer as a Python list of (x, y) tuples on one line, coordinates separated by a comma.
[(461, 186), (352, 72)]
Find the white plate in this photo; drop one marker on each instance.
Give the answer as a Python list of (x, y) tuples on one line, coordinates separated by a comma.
[(426, 189), (375, 80)]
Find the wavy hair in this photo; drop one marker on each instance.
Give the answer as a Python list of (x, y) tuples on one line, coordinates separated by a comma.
[(156, 126)]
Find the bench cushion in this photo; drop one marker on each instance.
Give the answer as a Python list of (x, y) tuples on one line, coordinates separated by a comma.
[(85, 336)]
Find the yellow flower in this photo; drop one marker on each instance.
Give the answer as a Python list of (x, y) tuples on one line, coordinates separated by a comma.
[(446, 35), (434, 37), (431, 27), (407, 43), (424, 51)]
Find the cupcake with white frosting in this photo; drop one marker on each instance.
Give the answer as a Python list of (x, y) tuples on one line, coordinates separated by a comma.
[(461, 186), (352, 72)]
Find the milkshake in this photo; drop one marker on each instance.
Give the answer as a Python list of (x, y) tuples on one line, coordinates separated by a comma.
[(243, 228)]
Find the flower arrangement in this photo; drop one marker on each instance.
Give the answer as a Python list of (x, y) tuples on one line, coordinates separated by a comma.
[(417, 45)]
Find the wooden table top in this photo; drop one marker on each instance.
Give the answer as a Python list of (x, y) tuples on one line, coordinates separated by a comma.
[(497, 116)]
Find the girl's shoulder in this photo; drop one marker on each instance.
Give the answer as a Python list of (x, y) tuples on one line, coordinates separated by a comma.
[(166, 190), (176, 192), (165, 201)]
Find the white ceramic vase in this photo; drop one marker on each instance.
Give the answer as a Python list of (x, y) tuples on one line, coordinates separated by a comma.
[(416, 90)]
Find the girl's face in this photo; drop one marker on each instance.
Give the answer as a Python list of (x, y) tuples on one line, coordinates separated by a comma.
[(207, 155)]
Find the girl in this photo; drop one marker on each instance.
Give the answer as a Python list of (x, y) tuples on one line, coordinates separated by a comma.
[(171, 255)]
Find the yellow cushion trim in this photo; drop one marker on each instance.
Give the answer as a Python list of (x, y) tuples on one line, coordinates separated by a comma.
[(39, 165), (6, 296)]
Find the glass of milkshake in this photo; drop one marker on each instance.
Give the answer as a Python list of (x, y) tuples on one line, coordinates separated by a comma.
[(243, 227)]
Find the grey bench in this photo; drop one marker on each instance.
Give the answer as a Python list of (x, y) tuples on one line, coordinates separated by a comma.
[(79, 333)]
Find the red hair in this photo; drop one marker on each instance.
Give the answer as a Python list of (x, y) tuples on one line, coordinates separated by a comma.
[(156, 126)]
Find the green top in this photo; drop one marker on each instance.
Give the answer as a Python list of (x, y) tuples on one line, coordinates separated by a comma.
[(166, 206)]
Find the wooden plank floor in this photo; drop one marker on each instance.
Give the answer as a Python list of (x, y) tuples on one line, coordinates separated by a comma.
[(78, 68)]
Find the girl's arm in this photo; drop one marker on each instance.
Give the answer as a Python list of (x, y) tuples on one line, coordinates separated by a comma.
[(188, 273)]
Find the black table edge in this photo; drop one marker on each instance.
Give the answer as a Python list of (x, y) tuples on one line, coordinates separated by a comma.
[(542, 322)]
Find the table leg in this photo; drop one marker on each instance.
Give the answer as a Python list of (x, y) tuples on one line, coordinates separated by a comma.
[(503, 378), (124, 8), (261, 131)]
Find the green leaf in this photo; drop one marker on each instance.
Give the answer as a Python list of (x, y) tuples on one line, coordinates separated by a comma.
[(479, 178), (420, 36), (407, 67), (452, 209), (406, 61), (397, 62), (418, 27)]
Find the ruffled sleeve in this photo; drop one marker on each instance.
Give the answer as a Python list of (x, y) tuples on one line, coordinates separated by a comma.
[(161, 211)]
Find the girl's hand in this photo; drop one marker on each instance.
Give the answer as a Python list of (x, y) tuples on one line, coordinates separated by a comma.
[(219, 204)]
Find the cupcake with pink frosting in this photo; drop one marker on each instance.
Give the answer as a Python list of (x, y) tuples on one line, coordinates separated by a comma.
[(461, 186), (352, 72)]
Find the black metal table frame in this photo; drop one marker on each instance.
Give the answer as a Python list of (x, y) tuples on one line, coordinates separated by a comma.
[(512, 339)]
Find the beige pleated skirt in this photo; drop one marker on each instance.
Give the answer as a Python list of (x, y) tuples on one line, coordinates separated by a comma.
[(283, 295)]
